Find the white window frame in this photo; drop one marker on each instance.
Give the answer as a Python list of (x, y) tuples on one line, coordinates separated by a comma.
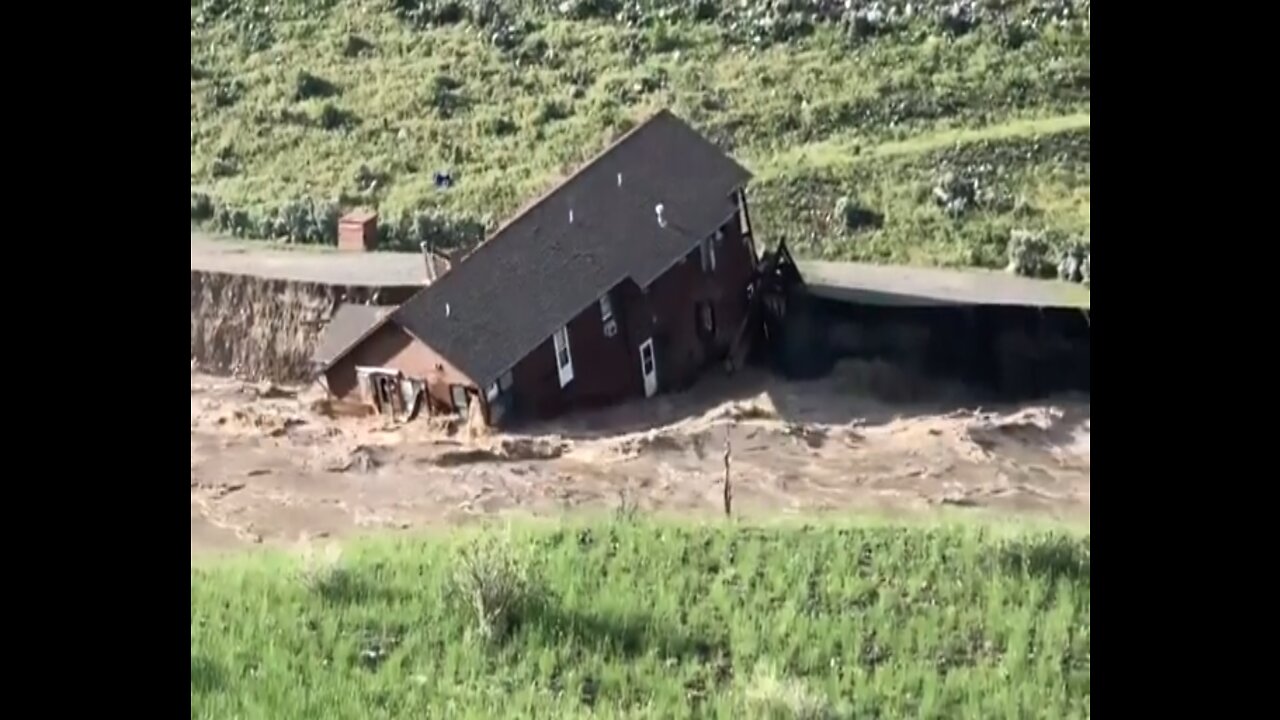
[(707, 317), (606, 308), (743, 223), (560, 343), (465, 403)]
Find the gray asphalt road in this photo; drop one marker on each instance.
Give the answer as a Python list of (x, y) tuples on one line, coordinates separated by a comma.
[(877, 284), (306, 264)]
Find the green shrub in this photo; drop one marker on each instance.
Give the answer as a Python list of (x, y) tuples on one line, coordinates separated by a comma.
[(332, 117), (772, 696), (309, 86), (856, 217), (225, 93), (1071, 261), (493, 581), (356, 46), (201, 206), (955, 194), (1030, 253)]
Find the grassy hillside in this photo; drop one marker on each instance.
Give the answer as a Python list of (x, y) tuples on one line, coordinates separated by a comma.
[(923, 136), (644, 620)]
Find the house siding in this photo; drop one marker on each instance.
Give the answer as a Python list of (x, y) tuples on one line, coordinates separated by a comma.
[(607, 370), (391, 347), (673, 299), (601, 366)]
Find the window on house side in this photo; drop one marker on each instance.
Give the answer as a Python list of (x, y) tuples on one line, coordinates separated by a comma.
[(706, 319), (505, 381), (606, 308), (708, 256), (459, 397), (492, 392), (742, 213), (564, 359)]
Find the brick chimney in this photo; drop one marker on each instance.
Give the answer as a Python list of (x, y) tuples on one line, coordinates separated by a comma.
[(358, 231)]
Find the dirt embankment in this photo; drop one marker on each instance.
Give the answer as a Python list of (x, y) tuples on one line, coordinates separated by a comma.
[(261, 328)]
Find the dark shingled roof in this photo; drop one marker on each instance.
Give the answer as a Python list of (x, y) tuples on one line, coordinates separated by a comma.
[(348, 326), (540, 269)]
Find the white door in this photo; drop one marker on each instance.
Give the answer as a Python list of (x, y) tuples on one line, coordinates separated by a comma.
[(564, 361), (648, 368)]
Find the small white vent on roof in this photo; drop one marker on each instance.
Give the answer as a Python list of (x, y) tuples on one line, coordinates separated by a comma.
[(657, 209), (446, 310), (570, 216), (619, 179)]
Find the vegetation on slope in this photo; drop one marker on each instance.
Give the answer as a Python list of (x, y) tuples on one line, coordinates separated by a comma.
[(917, 131), (650, 620)]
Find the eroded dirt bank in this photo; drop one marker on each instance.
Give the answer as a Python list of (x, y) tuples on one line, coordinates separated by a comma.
[(262, 328), (266, 468)]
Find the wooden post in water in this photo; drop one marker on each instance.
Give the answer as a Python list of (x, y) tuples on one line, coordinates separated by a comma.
[(728, 480)]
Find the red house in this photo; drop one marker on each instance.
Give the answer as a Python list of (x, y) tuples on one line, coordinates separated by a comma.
[(627, 279)]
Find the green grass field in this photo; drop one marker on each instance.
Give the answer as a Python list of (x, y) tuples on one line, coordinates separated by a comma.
[(301, 108), (655, 620)]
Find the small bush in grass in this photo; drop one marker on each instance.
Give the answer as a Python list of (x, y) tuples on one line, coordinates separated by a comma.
[(1071, 261), (774, 697), (367, 179), (587, 9), (552, 110), (958, 18), (955, 194), (309, 86), (201, 206), (332, 117), (1030, 253), (494, 583), (223, 167), (628, 509), (445, 97), (224, 94), (323, 573), (500, 126), (356, 46), (1014, 35), (233, 221), (854, 216)]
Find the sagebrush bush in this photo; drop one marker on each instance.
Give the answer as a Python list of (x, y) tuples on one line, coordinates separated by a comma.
[(1030, 253), (309, 86), (332, 117), (201, 206), (494, 582), (322, 573), (854, 216), (771, 696), (1071, 260), (955, 194)]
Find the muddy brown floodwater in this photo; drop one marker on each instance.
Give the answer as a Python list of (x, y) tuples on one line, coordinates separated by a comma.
[(267, 468)]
